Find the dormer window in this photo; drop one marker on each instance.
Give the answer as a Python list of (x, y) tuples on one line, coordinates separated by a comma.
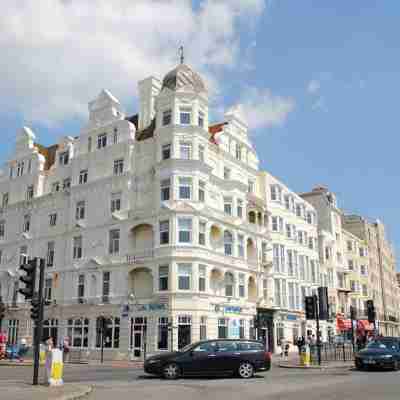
[(201, 119), (64, 158), (101, 140), (166, 117), (185, 115)]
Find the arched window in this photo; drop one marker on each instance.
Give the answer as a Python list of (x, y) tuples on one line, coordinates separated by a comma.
[(229, 284), (228, 241), (252, 217)]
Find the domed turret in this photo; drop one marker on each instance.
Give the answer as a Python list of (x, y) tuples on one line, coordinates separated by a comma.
[(183, 77)]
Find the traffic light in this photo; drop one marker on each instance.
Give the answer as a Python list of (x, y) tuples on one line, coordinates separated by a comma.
[(323, 303), (35, 309), (310, 303), (353, 313), (2, 310), (371, 311), (29, 279)]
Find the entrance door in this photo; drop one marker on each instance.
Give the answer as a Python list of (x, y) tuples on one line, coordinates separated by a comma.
[(138, 335)]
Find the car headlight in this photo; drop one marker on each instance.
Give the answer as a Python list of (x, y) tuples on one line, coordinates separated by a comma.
[(387, 356), (153, 361)]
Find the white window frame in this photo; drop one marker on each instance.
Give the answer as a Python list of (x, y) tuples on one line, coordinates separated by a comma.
[(182, 229)]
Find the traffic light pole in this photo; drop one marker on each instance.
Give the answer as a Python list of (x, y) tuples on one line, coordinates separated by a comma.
[(317, 323), (39, 324)]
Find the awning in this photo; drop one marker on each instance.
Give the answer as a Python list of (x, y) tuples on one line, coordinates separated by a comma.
[(343, 324), (363, 324)]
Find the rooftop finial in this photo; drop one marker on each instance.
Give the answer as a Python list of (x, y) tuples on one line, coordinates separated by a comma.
[(181, 54)]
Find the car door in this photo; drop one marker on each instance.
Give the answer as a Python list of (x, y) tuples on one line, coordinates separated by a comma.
[(201, 359), (227, 357)]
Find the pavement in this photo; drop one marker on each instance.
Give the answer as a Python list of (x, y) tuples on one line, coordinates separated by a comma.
[(16, 390)]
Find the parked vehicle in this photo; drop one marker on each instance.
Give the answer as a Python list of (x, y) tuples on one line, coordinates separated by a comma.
[(382, 353), (211, 358)]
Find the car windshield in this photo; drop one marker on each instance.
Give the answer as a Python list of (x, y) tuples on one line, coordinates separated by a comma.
[(384, 345)]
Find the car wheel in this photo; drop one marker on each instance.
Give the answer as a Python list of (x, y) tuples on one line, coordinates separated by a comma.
[(396, 366), (246, 370), (171, 371)]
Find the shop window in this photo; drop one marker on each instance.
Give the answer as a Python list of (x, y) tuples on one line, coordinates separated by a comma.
[(78, 332), (111, 333)]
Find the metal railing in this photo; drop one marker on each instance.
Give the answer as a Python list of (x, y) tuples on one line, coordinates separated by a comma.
[(140, 256), (332, 352)]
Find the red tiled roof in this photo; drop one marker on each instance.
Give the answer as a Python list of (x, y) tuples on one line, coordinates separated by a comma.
[(214, 129)]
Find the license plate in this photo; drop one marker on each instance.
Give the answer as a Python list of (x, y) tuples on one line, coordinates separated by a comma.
[(369, 361)]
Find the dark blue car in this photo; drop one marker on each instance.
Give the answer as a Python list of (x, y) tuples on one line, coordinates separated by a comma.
[(382, 353)]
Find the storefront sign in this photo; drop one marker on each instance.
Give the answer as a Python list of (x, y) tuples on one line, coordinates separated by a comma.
[(234, 329), (291, 317), (228, 309), (147, 307)]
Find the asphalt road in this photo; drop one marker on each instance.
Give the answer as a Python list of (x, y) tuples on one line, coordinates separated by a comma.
[(277, 384)]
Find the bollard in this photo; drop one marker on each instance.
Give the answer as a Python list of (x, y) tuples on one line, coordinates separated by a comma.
[(305, 356), (54, 368)]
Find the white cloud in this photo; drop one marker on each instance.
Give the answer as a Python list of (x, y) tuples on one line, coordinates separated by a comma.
[(57, 55), (262, 109), (314, 86)]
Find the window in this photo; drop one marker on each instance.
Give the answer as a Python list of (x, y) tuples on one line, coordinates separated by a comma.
[(228, 242), (240, 240), (166, 151), (185, 230), (185, 149), (327, 253), (50, 253), (274, 222), (242, 290), (29, 192), (110, 334), (238, 152), (89, 144), (2, 229), (353, 286), (280, 219), (80, 210), (83, 176), (302, 268), (203, 328), (288, 231), (364, 290), (229, 284), (313, 271), (251, 186), (311, 243), (101, 140), (118, 167), (23, 255), (115, 136), (13, 328), (240, 208), (241, 328), (202, 191), (298, 210), (78, 332), (66, 183), (29, 166), (265, 289), (81, 288), (287, 202), (222, 328), (114, 241), (184, 330), (310, 217), (201, 153), (184, 276), (202, 233), (363, 270), (349, 245), (27, 223), (165, 189), (164, 232), (53, 219), (162, 333), (185, 115), (276, 193), (47, 289), (185, 188), (291, 296), (227, 173), (201, 119), (362, 251), (228, 205), (166, 117), (202, 278), (115, 201), (300, 237), (106, 287), (290, 262), (277, 292), (55, 187), (276, 257), (20, 168), (77, 247), (63, 158), (4, 202), (351, 265), (163, 272)]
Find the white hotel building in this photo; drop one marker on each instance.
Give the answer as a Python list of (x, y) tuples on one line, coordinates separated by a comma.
[(157, 221)]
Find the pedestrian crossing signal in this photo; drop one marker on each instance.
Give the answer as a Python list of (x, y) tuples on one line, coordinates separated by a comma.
[(310, 306)]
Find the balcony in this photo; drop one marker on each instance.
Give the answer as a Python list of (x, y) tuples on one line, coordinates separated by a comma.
[(140, 257)]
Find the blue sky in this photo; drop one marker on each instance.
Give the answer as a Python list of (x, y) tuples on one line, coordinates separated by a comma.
[(319, 80)]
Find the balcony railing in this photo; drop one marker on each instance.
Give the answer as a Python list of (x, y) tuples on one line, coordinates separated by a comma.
[(140, 256)]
